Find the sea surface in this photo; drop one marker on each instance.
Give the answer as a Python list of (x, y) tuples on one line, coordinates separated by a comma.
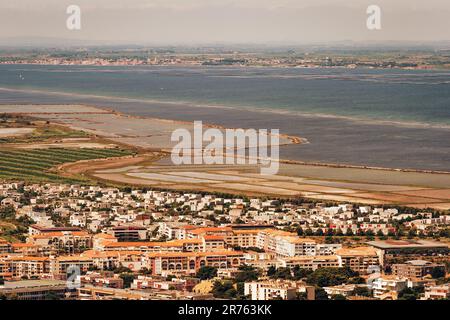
[(383, 118)]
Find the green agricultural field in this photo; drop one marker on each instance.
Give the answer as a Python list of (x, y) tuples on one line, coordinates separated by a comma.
[(33, 165), (43, 133)]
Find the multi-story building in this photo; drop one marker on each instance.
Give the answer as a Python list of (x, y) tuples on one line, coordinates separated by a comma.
[(324, 249), (277, 289), (145, 282), (174, 230), (294, 246), (89, 292), (104, 279), (437, 292), (269, 291), (267, 239), (108, 260), (62, 242), (213, 243), (243, 238), (209, 231), (397, 251), (5, 246), (34, 289), (97, 293), (416, 268), (388, 286), (38, 229), (128, 233), (60, 266), (26, 249), (310, 262), (162, 263), (189, 245), (287, 244), (5, 272), (29, 267), (343, 289), (361, 259)]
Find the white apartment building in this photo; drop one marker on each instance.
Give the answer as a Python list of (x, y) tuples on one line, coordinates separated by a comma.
[(286, 244), (437, 292), (383, 285), (269, 290)]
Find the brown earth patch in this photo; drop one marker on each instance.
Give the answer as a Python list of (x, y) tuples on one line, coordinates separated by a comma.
[(122, 179), (436, 206), (394, 198), (443, 194), (88, 166)]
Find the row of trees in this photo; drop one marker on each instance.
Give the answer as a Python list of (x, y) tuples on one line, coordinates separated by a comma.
[(322, 277), (398, 233), (233, 288)]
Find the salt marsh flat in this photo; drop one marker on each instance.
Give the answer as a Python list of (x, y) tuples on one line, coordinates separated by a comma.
[(152, 166)]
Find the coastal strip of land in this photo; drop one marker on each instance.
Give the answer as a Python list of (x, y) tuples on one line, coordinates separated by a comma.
[(151, 166)]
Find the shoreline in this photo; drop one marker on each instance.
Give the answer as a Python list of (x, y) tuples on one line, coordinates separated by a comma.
[(151, 165), (294, 139), (263, 110), (255, 66), (349, 166)]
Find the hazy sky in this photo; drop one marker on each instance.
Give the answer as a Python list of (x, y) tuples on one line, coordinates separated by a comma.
[(215, 21)]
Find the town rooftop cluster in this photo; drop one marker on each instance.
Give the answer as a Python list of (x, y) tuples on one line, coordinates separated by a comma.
[(92, 242)]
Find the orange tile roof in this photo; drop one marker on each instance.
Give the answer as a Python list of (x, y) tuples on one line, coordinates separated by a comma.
[(250, 231), (47, 235), (210, 229), (106, 254), (193, 254), (23, 245), (276, 232), (359, 251), (174, 243), (306, 258), (295, 239), (217, 238), (129, 244), (80, 233), (104, 236), (60, 234), (73, 258), (28, 258), (188, 227), (171, 254), (99, 254)]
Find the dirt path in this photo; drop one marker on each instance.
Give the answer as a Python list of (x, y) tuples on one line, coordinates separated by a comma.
[(87, 166)]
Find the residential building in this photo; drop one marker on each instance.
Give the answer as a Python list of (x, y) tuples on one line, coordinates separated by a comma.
[(416, 268)]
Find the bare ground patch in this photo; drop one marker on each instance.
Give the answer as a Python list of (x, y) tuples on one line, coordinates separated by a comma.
[(394, 198), (254, 188), (306, 187), (14, 132), (436, 206), (443, 194), (122, 179)]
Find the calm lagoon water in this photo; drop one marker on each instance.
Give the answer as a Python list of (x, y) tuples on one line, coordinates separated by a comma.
[(388, 118)]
